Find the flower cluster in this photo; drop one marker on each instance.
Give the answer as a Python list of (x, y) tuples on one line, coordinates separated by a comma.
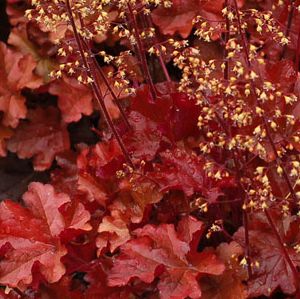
[(168, 133)]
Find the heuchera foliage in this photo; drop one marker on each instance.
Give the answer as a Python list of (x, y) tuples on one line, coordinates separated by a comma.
[(170, 132)]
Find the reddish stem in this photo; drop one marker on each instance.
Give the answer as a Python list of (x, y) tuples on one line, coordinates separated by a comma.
[(103, 76), (245, 47), (283, 249), (268, 132), (116, 100), (284, 173), (288, 27), (95, 87), (161, 54), (269, 136), (141, 52), (297, 52), (238, 173), (247, 243), (227, 33), (226, 201)]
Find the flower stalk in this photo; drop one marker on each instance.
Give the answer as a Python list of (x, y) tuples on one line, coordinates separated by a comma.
[(104, 78), (265, 122), (141, 51), (95, 88)]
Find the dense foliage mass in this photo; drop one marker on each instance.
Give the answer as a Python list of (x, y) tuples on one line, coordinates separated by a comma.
[(183, 179)]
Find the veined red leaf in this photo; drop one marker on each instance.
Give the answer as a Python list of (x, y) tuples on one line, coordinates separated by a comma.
[(158, 249), (16, 73), (228, 285), (188, 172), (33, 234), (42, 137), (135, 196), (97, 170), (74, 99), (273, 270)]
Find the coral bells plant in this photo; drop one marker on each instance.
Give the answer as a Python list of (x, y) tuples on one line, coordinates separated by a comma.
[(163, 139)]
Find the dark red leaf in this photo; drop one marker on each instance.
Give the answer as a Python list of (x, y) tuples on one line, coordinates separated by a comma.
[(188, 172), (272, 271), (16, 73), (160, 246), (74, 99), (42, 137), (97, 168)]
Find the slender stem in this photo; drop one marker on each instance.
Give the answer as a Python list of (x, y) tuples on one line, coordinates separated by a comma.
[(249, 161), (237, 153), (244, 42), (113, 94), (245, 219), (239, 176), (95, 87), (226, 234), (103, 76), (283, 249), (220, 202), (141, 52), (227, 34), (247, 243), (288, 27), (163, 66), (297, 52), (268, 131), (290, 18), (161, 54), (284, 173)]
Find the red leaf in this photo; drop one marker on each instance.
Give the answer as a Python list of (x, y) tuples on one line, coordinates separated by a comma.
[(98, 288), (184, 117), (273, 270), (143, 141), (28, 39), (97, 170), (74, 99), (135, 195), (143, 103), (75, 215), (42, 137), (282, 72), (159, 248), (189, 230), (33, 233), (178, 18), (173, 116), (113, 229), (229, 285), (180, 171), (16, 73), (185, 171)]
